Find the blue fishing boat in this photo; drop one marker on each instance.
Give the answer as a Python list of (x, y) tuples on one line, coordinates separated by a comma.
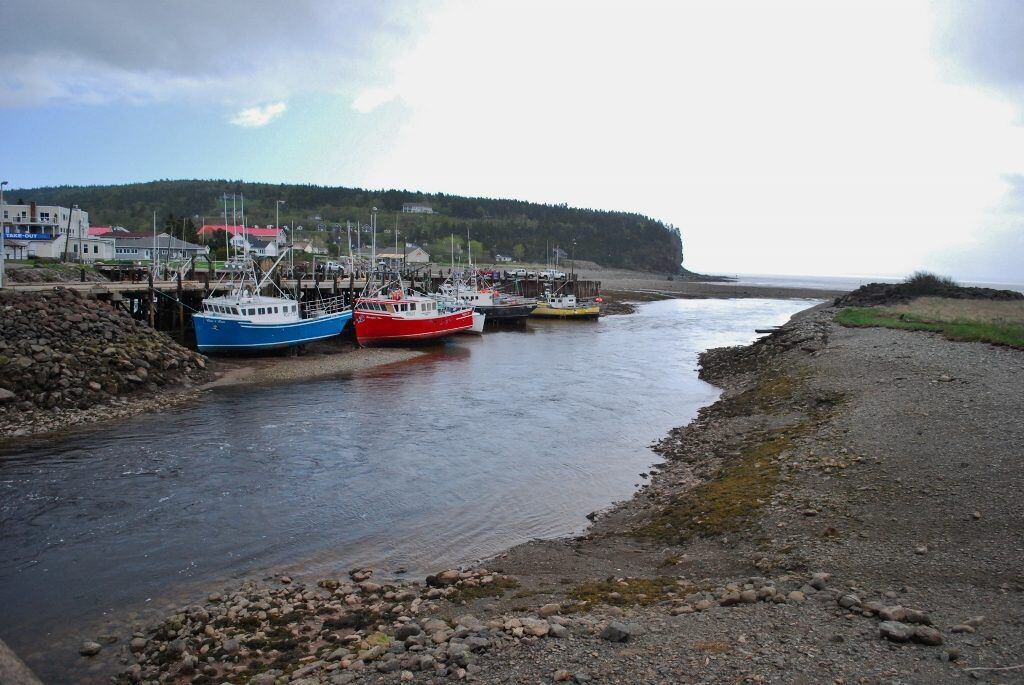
[(237, 323), (244, 320)]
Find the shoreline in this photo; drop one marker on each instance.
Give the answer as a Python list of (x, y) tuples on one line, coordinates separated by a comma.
[(754, 525)]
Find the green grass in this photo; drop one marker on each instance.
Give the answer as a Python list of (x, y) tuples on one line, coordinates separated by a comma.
[(1011, 335)]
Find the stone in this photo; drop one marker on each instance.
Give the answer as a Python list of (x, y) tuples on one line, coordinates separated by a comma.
[(975, 621), (90, 648), (561, 675), (406, 676), (926, 635), (6, 395), (849, 601), (892, 613), (616, 632), (703, 605), (729, 599), (138, 644), (548, 610), (962, 628), (921, 550), (231, 646), (449, 577), (748, 596), (263, 679), (406, 631), (918, 617), (895, 631), (681, 609), (535, 627), (796, 596), (558, 631)]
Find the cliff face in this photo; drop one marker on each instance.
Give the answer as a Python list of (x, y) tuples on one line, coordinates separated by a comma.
[(61, 350)]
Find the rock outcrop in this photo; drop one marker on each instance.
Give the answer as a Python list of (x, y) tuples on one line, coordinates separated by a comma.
[(64, 351)]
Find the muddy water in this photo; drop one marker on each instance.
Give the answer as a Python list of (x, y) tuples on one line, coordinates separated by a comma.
[(484, 443)]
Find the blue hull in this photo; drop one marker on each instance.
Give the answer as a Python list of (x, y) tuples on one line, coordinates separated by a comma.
[(214, 334)]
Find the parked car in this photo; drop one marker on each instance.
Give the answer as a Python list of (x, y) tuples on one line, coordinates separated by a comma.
[(551, 275), (334, 268), (517, 273)]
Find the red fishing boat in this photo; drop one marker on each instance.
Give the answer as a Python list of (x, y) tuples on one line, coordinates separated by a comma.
[(400, 317)]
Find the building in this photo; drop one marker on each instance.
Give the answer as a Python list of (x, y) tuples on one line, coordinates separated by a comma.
[(414, 254), (51, 232), (309, 247), (502, 259), (214, 232), (417, 208), (260, 247), (142, 248)]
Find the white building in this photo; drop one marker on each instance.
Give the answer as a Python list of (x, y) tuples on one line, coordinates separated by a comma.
[(51, 232), (417, 208), (141, 248)]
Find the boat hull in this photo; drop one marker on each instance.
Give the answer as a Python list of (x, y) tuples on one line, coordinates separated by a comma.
[(506, 313), (378, 328), (583, 312), (478, 323), (217, 335)]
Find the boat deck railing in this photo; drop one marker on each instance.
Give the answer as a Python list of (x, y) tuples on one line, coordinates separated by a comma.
[(329, 305)]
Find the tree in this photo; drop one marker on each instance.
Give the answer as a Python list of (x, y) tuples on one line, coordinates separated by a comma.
[(519, 251)]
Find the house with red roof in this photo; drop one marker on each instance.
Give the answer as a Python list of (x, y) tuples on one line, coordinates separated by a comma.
[(212, 232)]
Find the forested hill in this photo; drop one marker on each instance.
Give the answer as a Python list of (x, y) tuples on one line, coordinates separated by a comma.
[(510, 227)]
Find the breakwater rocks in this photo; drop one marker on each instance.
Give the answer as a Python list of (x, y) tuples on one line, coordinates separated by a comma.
[(64, 357), (332, 633)]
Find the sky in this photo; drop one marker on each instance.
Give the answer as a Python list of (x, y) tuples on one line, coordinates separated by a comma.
[(793, 137)]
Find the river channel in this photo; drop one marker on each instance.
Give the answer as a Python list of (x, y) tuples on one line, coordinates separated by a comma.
[(482, 443)]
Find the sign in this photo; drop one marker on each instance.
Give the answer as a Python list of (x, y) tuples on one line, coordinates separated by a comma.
[(29, 236)]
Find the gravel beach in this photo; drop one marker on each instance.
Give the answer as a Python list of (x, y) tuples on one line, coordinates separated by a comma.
[(847, 512)]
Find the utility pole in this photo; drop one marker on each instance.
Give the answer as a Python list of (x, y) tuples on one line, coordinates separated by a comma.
[(3, 230)]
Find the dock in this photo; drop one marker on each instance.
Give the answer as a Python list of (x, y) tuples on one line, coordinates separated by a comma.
[(167, 305)]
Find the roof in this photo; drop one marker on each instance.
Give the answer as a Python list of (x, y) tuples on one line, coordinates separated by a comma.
[(209, 229), (163, 242), (108, 230)]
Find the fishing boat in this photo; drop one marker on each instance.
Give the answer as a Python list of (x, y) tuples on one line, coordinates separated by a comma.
[(449, 302), (498, 307), (565, 306), (398, 316), (244, 320)]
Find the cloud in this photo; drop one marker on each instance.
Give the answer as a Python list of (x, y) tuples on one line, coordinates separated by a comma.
[(234, 52), (979, 43), (372, 98), (254, 117)]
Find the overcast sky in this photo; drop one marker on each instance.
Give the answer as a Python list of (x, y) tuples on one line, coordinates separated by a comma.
[(864, 138)]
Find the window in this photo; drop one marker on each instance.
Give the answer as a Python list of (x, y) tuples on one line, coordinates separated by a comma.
[(74, 247), (95, 249), (412, 306), (276, 310), (262, 310), (234, 310)]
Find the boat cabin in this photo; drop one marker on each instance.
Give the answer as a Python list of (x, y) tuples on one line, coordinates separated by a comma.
[(406, 307), (263, 310)]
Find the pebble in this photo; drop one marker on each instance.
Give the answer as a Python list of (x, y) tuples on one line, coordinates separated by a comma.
[(90, 648), (926, 635), (616, 632), (895, 631), (796, 596), (561, 675)]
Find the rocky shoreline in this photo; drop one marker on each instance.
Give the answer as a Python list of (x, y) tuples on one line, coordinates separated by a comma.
[(845, 513), (68, 359)]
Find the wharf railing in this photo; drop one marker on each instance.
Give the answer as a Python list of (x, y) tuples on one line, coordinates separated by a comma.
[(320, 307)]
